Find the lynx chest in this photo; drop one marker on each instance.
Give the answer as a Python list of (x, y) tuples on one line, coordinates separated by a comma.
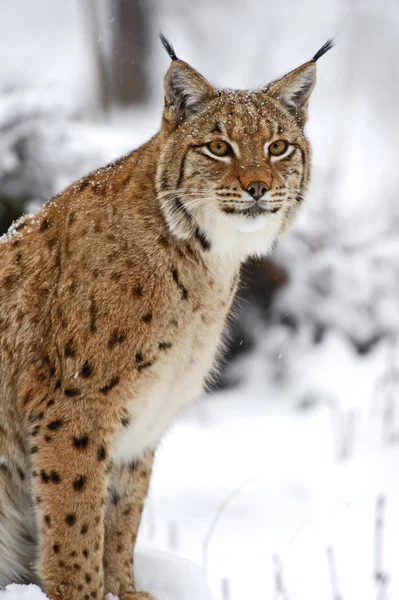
[(178, 377)]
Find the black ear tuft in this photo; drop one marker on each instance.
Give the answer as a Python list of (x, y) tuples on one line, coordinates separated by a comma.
[(327, 46), (168, 47)]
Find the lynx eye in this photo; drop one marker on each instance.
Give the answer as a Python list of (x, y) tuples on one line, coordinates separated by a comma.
[(278, 147), (219, 148)]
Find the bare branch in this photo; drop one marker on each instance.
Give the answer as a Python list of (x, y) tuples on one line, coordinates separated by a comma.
[(226, 595), (336, 595), (173, 537), (379, 523), (216, 518), (280, 592)]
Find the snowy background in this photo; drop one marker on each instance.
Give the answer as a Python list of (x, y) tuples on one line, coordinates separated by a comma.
[(283, 483)]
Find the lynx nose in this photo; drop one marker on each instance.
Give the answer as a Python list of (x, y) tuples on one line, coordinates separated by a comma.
[(257, 189)]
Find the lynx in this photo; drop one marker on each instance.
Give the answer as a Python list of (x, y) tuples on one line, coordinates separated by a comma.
[(113, 303)]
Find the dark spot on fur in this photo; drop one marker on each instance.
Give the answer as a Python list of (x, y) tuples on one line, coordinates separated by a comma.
[(58, 384), (76, 567), (46, 224), (80, 442), (85, 553), (53, 477), (69, 349), (71, 392), (87, 369), (35, 431), (27, 398), (84, 529), (79, 483), (164, 345), (20, 226), (139, 357), (147, 317), (50, 403), (138, 290), (115, 498), (56, 548), (201, 237), (21, 473), (110, 385), (34, 449), (34, 417), (183, 289), (117, 337), (163, 241), (145, 365), (70, 519), (47, 438), (54, 425), (10, 280), (125, 421), (101, 454)]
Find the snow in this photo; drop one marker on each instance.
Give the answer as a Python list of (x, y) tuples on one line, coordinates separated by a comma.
[(166, 576), (302, 479), (22, 592)]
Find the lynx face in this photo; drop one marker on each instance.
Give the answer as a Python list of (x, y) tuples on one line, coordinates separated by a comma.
[(235, 164)]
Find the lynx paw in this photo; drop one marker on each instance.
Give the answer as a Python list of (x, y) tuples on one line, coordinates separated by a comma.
[(137, 596)]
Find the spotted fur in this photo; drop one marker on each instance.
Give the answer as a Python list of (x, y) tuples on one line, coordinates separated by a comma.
[(113, 302)]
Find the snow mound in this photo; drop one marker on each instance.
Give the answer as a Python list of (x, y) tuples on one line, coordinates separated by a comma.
[(165, 575)]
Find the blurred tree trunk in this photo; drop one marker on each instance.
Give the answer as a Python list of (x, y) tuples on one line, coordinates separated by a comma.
[(100, 55), (118, 31), (129, 52)]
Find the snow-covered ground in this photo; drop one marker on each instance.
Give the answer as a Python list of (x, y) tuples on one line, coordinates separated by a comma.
[(267, 483), (167, 576)]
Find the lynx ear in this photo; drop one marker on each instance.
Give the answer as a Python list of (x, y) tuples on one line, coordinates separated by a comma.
[(293, 90), (185, 89)]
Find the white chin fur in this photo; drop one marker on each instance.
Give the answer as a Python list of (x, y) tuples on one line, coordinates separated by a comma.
[(249, 224), (239, 236)]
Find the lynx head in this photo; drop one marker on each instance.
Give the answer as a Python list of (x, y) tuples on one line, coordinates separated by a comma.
[(234, 165)]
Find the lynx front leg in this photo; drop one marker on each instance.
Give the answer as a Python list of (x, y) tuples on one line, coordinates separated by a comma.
[(70, 462), (128, 489)]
